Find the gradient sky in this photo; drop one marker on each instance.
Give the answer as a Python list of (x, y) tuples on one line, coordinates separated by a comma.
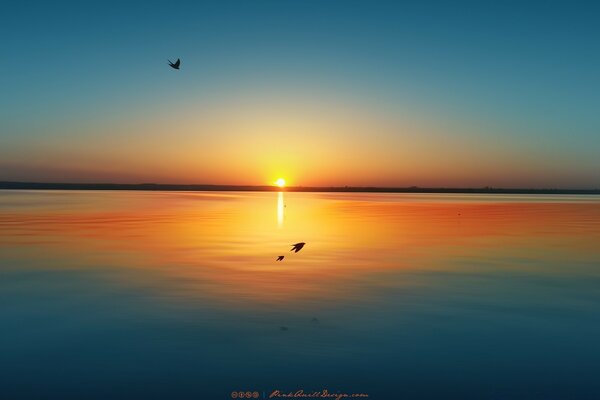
[(318, 92)]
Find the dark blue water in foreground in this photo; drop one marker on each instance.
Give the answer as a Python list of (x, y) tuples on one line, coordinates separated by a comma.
[(117, 295)]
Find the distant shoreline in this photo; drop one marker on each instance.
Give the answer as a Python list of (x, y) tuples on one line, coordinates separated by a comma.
[(248, 188)]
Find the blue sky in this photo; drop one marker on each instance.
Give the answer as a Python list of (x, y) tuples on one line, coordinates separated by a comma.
[(520, 74)]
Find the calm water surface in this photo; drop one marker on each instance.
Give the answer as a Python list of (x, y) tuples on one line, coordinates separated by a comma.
[(178, 295)]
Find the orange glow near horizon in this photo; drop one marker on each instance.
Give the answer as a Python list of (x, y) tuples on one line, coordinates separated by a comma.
[(311, 141)]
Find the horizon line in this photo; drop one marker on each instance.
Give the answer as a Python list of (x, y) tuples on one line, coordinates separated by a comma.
[(20, 185)]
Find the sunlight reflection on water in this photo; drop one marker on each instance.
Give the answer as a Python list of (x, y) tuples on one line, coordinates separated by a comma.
[(126, 288)]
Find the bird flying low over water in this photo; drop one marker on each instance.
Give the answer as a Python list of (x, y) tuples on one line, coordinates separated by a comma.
[(280, 258), (174, 65), (297, 247)]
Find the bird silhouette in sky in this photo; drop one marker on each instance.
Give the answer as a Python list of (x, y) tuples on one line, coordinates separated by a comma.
[(174, 65), (297, 247), (280, 258)]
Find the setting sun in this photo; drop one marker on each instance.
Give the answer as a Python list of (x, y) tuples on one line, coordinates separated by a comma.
[(280, 182)]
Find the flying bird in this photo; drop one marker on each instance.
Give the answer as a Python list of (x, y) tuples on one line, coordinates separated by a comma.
[(174, 65), (283, 328), (280, 258), (297, 247)]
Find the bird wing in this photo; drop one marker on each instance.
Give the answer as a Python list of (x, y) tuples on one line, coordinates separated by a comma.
[(177, 62)]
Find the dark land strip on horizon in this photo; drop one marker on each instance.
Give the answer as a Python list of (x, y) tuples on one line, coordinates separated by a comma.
[(265, 188)]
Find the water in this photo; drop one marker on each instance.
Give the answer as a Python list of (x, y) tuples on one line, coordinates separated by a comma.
[(126, 295)]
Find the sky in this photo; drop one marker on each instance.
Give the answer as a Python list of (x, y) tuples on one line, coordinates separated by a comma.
[(321, 93)]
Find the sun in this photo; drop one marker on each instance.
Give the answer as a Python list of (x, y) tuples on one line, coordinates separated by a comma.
[(280, 182)]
